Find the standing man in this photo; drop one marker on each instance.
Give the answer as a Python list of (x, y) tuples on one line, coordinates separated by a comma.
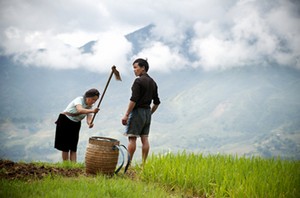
[(137, 118)]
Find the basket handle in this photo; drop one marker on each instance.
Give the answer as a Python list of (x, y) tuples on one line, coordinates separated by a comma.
[(123, 157)]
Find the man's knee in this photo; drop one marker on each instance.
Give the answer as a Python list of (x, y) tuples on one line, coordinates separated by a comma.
[(132, 139), (144, 140)]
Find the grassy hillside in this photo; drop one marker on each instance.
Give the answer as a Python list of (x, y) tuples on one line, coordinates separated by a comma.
[(251, 110), (171, 175)]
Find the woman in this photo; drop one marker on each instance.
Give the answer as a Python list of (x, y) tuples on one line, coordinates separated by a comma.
[(69, 122)]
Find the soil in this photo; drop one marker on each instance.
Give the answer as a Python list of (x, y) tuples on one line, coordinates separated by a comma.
[(30, 171), (24, 171)]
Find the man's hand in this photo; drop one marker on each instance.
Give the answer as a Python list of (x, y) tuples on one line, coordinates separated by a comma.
[(124, 120), (129, 110)]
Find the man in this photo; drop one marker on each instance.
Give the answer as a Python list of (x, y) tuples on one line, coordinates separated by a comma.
[(138, 115)]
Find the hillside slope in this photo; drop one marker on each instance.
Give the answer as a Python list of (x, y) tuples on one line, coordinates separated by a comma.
[(250, 110)]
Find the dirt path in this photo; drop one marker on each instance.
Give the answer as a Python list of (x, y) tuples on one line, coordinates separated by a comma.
[(24, 171)]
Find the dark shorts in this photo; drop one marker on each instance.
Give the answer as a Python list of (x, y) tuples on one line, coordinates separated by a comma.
[(138, 123), (67, 134)]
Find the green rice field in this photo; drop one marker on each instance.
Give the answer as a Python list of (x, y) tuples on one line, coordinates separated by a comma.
[(171, 175)]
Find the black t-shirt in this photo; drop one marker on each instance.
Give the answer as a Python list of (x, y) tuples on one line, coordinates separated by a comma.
[(144, 90)]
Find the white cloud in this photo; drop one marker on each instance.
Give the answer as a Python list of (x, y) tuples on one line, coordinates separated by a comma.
[(76, 38), (220, 34), (216, 53), (162, 58), (248, 39), (111, 49)]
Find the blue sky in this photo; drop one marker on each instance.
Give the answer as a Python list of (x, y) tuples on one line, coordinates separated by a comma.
[(226, 34)]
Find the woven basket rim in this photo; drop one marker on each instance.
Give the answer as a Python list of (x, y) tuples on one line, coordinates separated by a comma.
[(106, 139)]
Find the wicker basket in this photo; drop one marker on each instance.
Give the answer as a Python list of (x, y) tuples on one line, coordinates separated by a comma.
[(101, 155)]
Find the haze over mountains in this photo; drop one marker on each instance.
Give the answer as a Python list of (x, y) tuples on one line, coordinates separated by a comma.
[(249, 110)]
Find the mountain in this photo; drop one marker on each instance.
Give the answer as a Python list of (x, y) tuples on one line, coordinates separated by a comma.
[(243, 110), (252, 110)]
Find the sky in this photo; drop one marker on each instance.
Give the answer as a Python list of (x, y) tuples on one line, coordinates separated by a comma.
[(218, 34)]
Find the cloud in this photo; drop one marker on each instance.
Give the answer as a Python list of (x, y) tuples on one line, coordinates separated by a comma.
[(110, 49), (252, 37), (162, 58), (202, 34)]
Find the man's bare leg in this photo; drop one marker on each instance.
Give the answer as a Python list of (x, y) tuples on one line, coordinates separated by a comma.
[(145, 148), (131, 146)]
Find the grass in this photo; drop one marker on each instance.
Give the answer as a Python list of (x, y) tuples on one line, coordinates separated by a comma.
[(99, 186), (65, 164), (224, 175), (173, 175)]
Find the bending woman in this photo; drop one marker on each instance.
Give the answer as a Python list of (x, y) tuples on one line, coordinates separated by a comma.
[(69, 122)]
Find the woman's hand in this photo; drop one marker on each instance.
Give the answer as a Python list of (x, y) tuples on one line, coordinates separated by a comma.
[(96, 110), (91, 125)]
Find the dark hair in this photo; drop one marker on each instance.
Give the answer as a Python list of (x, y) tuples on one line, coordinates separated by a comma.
[(91, 93), (142, 63)]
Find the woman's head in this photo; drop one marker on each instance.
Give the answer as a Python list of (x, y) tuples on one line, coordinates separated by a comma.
[(91, 96)]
